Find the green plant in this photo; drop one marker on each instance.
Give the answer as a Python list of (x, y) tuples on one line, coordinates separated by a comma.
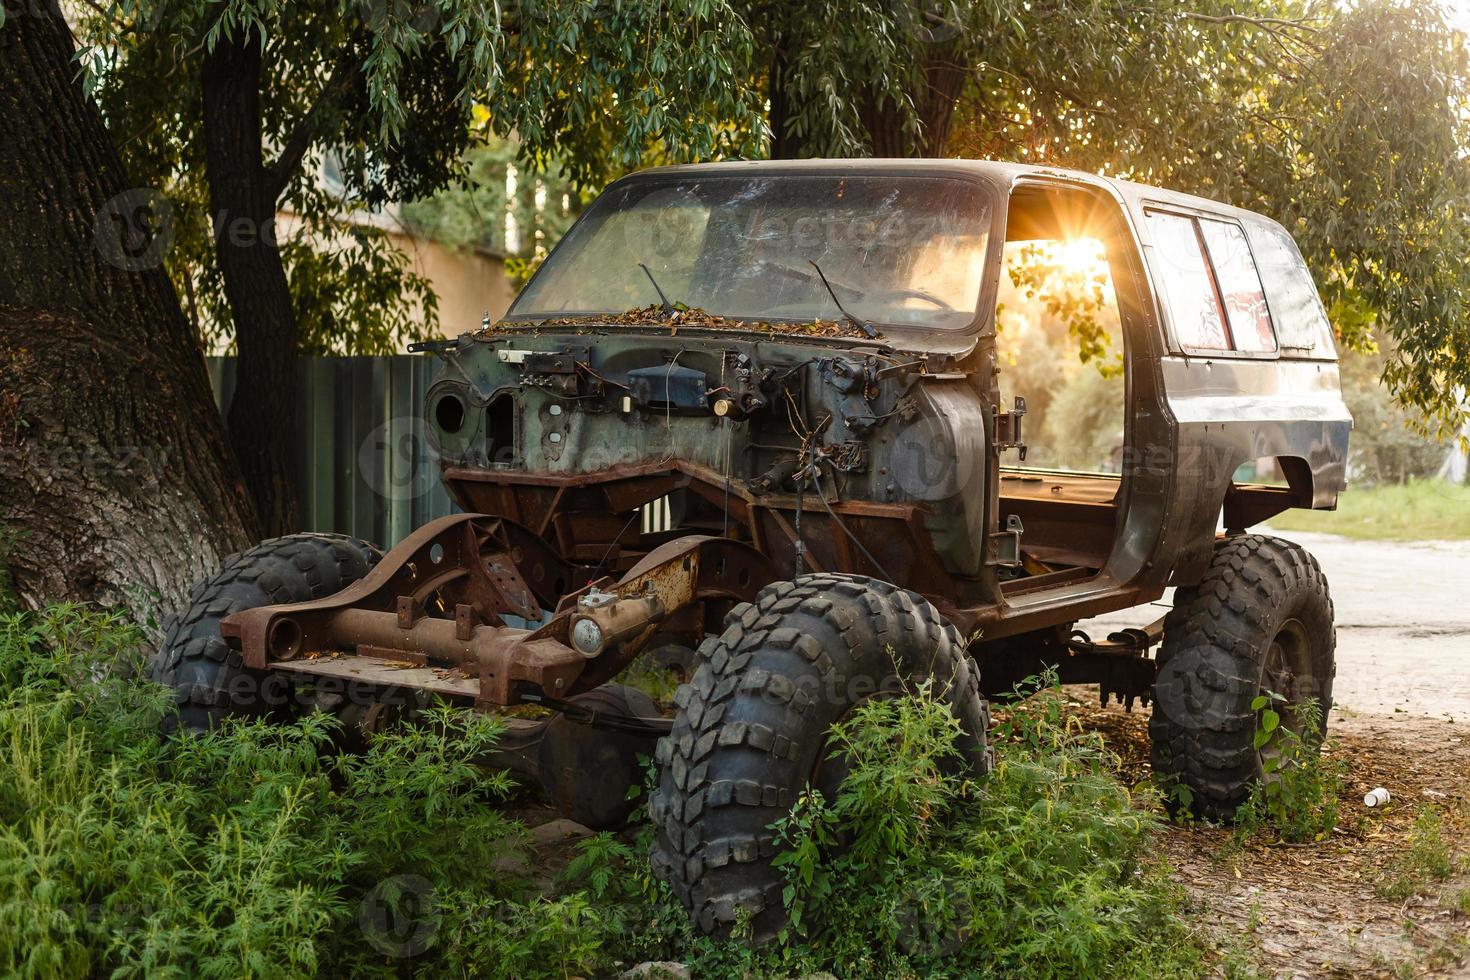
[(1428, 856), (260, 850), (913, 869), (252, 850), (1297, 795)]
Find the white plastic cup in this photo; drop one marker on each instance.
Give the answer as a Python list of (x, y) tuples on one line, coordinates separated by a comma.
[(1376, 798)]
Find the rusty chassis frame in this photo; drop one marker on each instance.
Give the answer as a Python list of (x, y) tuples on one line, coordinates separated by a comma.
[(432, 615)]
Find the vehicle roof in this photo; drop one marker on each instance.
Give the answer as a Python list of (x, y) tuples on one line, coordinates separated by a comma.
[(1001, 172)]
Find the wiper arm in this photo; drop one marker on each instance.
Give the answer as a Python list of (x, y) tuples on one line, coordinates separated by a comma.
[(668, 307), (862, 325)]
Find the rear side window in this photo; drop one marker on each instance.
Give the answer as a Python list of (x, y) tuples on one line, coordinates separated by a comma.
[(1189, 286), (1240, 286), (1301, 323), (1210, 284)]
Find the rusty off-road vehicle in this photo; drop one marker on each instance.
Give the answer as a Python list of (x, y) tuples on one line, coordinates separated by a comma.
[(767, 422)]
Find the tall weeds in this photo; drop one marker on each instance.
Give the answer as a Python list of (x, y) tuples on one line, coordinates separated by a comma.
[(262, 851)]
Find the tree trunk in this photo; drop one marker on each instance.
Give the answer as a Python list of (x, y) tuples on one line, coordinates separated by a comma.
[(942, 73), (941, 76), (242, 197), (115, 482), (784, 146)]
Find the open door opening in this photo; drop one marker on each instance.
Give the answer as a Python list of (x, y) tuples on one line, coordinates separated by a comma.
[(1060, 345)]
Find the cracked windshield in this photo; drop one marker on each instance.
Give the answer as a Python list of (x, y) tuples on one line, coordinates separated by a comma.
[(879, 250)]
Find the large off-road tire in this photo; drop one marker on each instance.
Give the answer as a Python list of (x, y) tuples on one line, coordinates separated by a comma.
[(1259, 621), (209, 680), (751, 729)]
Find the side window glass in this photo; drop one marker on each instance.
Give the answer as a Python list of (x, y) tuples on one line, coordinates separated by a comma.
[(1301, 323), (1189, 289), (1245, 300)]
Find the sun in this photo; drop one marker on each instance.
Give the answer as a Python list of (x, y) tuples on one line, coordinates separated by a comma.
[(1082, 259)]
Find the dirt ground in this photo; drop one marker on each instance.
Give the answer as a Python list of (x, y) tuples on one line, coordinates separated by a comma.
[(1401, 721)]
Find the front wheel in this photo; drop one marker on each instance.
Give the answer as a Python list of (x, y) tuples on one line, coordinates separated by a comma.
[(209, 679), (752, 724), (1259, 622)]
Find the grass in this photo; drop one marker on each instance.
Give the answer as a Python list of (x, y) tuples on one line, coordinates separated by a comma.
[(1421, 510), (1428, 857), (264, 851)]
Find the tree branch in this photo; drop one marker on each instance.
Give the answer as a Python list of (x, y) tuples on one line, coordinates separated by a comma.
[(345, 75)]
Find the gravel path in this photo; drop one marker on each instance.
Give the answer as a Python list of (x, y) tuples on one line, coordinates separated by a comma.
[(1403, 623)]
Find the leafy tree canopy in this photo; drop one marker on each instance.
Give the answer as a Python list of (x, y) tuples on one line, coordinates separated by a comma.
[(385, 93), (1347, 122)]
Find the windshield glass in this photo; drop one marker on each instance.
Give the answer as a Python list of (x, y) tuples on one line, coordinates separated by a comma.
[(897, 250)]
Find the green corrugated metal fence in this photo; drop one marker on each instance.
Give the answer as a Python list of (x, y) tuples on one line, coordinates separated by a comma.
[(366, 467)]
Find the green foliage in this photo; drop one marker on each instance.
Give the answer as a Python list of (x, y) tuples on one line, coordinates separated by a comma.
[(258, 850), (1077, 296), (1459, 901), (386, 98), (1429, 856), (1060, 343), (472, 213), (914, 870), (1295, 108), (1297, 797), (1386, 447), (1420, 510), (254, 850)]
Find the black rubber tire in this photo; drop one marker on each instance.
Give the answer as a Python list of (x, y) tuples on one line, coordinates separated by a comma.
[(1261, 618), (209, 680), (752, 723)]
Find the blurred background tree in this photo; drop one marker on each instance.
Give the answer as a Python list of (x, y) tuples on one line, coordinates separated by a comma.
[(236, 109)]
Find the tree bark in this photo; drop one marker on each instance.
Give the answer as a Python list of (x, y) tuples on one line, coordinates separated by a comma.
[(242, 195), (943, 69), (116, 485), (784, 146)]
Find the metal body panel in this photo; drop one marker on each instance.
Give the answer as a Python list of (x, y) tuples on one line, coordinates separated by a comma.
[(774, 453), (1232, 412)]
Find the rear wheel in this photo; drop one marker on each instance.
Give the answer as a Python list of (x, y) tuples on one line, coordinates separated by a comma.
[(1260, 621), (751, 729), (209, 679)]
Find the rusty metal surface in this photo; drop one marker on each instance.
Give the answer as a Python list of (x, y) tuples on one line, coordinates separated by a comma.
[(431, 614), (382, 673)]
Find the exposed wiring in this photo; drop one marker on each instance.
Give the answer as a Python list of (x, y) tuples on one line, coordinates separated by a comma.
[(669, 405), (613, 544), (606, 381), (809, 470)]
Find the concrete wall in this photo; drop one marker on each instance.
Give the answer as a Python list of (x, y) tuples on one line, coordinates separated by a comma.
[(469, 283)]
